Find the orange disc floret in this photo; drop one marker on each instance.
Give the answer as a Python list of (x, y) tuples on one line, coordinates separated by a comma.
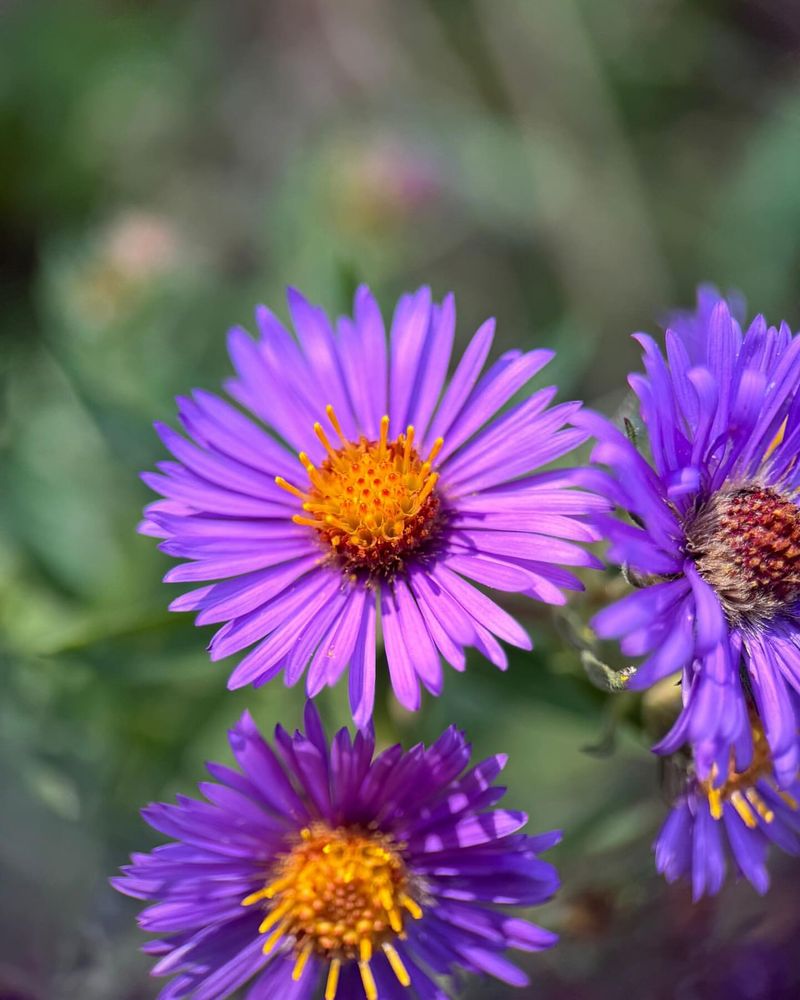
[(341, 894), (373, 503)]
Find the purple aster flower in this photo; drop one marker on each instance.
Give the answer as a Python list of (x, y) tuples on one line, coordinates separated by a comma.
[(713, 539), (313, 867), (748, 811), (403, 493)]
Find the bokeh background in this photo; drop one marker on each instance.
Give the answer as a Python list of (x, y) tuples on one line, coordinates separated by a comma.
[(573, 167)]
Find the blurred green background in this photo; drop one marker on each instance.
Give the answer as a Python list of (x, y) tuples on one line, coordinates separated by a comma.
[(573, 167)]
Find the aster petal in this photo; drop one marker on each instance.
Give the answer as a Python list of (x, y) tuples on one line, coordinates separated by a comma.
[(437, 352), (658, 406), (335, 650), (363, 353), (707, 390), (491, 572), (496, 440), (708, 858), (631, 545), (297, 603), (481, 608), (493, 965), (239, 596), (498, 928), (259, 762), (638, 609), (775, 708), (311, 635), (229, 973), (524, 545), (316, 339), (500, 383), (419, 643), (680, 365), (362, 665), (711, 627), (749, 849), (450, 648), (469, 831), (464, 378), (407, 338), (453, 618), (216, 424), (675, 653), (535, 493), (215, 468), (673, 846), (405, 682), (202, 496), (285, 403), (785, 380), (230, 565), (277, 981)]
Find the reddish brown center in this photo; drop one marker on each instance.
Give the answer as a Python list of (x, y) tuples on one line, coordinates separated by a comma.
[(746, 545)]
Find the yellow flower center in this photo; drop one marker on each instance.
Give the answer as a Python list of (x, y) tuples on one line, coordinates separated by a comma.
[(739, 786), (372, 502), (339, 894)]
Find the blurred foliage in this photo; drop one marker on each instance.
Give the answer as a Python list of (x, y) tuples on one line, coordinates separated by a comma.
[(573, 167)]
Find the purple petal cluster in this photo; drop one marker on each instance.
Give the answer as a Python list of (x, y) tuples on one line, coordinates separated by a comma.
[(696, 840), (711, 534), (287, 568), (461, 858)]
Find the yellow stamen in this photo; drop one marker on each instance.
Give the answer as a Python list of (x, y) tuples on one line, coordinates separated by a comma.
[(275, 887), (324, 439), (397, 965), (299, 519), (372, 502), (335, 423), (409, 442), (426, 489), (275, 937), (413, 908), (254, 897), (743, 809), (311, 469), (289, 488), (760, 806), (437, 447), (715, 802), (271, 919), (339, 894), (300, 964), (384, 436), (368, 981), (333, 979)]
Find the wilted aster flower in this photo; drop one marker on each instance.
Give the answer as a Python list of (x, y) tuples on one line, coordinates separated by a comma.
[(402, 490), (314, 867), (748, 810), (715, 538)]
